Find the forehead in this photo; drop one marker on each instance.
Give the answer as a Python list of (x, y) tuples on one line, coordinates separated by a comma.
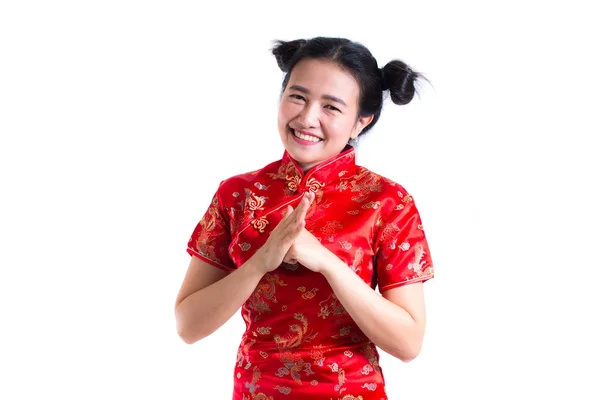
[(322, 77)]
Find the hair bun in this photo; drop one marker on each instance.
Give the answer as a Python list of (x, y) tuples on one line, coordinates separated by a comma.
[(399, 79), (284, 52), (384, 84)]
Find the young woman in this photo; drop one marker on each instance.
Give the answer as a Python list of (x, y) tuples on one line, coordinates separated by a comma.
[(301, 244)]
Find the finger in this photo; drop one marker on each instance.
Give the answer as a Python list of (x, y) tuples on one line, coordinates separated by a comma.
[(291, 232), (303, 207), (293, 222), (285, 220), (290, 214), (283, 227), (288, 211), (311, 198), (302, 214)]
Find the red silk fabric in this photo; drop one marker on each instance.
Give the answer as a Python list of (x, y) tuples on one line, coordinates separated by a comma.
[(300, 343)]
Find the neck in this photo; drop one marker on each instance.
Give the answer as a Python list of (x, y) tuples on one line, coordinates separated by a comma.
[(307, 167)]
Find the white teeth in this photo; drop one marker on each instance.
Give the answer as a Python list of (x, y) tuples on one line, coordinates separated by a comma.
[(305, 137)]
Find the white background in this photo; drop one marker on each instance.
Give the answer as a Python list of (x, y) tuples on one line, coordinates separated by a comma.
[(119, 118)]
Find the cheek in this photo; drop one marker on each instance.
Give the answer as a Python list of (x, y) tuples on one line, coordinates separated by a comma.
[(340, 127), (282, 120), (286, 112)]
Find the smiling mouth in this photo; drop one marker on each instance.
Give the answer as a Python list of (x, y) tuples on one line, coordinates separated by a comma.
[(308, 138)]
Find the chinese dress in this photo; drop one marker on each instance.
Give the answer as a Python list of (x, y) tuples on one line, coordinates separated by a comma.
[(299, 342)]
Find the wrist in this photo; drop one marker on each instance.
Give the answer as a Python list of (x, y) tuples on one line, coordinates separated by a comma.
[(256, 264), (330, 263)]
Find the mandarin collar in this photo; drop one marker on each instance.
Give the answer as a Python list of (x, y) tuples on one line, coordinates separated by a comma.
[(326, 172)]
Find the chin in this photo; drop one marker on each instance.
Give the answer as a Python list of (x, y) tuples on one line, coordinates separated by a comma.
[(300, 156), (304, 155)]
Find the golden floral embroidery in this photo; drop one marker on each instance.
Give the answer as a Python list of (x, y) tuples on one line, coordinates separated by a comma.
[(283, 389), (314, 185), (310, 294), (317, 355), (372, 204), (293, 182), (418, 263), (358, 259), (370, 353), (285, 169), (341, 380), (293, 365), (205, 239), (367, 369), (264, 293), (344, 331), (365, 183), (260, 224), (334, 307), (210, 223), (252, 386), (342, 186), (264, 330), (299, 333), (243, 354), (370, 386), (331, 228), (405, 198), (255, 202), (346, 245), (389, 232)]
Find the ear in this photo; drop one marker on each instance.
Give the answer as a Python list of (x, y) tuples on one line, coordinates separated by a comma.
[(361, 124)]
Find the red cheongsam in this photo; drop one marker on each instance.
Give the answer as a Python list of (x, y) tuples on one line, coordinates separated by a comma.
[(300, 343)]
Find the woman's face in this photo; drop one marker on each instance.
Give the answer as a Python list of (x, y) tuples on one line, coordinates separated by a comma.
[(318, 112)]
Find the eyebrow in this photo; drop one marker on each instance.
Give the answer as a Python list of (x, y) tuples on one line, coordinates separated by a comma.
[(325, 96)]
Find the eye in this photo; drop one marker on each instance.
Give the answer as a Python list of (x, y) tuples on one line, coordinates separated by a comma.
[(332, 108), (296, 97)]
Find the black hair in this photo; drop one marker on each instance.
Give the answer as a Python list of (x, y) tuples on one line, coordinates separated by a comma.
[(396, 76)]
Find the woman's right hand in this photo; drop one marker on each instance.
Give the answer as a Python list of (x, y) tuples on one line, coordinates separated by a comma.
[(271, 254)]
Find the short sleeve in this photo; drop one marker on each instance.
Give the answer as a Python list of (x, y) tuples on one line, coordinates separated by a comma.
[(211, 237), (402, 252)]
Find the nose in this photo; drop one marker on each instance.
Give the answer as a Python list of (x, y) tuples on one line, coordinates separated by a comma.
[(309, 116)]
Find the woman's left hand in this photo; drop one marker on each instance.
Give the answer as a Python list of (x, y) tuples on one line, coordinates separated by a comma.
[(308, 251)]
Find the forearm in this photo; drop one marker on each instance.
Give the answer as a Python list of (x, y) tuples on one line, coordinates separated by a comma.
[(387, 325), (203, 312)]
